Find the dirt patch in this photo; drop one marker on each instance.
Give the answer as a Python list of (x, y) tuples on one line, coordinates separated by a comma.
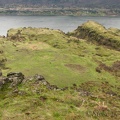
[(35, 46), (76, 67)]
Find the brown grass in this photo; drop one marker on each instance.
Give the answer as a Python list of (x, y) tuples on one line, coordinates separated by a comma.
[(76, 67)]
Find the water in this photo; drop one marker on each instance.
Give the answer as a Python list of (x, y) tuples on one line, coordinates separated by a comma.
[(64, 23)]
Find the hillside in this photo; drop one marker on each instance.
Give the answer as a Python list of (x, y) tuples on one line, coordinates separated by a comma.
[(47, 74), (66, 3), (60, 7), (94, 32)]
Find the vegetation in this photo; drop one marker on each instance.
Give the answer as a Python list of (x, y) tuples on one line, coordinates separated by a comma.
[(60, 7), (95, 32), (87, 75), (64, 3), (33, 101), (60, 11)]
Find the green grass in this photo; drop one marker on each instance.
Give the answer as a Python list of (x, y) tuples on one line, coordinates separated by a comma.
[(42, 57), (96, 33), (29, 103), (63, 60), (51, 63)]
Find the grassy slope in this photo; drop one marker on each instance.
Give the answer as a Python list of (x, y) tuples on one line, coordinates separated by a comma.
[(2, 57), (95, 32), (34, 102), (51, 53), (62, 60)]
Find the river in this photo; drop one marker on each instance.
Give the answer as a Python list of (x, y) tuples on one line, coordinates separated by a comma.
[(64, 23)]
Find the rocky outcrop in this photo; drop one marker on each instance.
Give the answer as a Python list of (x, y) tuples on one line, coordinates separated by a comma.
[(41, 79), (13, 79), (96, 33)]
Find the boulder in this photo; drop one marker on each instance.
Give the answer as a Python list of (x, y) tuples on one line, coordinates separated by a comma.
[(15, 78), (15, 74)]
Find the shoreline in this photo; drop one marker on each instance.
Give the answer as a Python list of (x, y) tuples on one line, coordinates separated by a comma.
[(74, 21), (59, 12)]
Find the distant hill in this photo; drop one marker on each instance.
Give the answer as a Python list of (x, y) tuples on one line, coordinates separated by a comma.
[(66, 3)]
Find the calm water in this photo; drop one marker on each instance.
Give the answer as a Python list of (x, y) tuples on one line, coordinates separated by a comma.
[(64, 23)]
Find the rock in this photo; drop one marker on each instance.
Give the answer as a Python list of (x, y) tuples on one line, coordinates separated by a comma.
[(39, 77), (53, 87), (15, 78), (3, 80), (44, 82), (15, 81), (15, 74)]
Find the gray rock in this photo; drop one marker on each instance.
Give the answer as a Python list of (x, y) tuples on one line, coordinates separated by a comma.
[(15, 74), (39, 77), (3, 80), (44, 82), (15, 81), (15, 78), (53, 87)]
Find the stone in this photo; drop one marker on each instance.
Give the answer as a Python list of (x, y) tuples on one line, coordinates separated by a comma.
[(15, 78), (45, 82), (39, 77), (5, 79), (15, 74), (15, 81), (53, 87)]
